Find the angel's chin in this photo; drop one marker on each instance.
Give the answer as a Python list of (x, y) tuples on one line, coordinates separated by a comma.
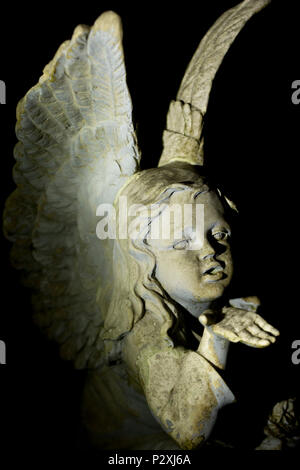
[(211, 291)]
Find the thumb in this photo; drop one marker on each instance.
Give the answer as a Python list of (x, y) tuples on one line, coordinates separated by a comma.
[(203, 319), (208, 318)]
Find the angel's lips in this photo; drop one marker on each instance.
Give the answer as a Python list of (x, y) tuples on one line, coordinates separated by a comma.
[(214, 273)]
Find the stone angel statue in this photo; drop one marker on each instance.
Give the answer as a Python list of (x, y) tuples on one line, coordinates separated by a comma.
[(144, 315)]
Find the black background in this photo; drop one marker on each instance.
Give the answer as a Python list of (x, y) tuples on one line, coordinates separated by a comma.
[(252, 147)]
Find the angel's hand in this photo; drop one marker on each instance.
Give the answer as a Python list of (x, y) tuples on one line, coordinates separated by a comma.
[(239, 325)]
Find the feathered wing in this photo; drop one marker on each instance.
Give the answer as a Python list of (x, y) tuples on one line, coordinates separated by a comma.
[(76, 149), (183, 138)]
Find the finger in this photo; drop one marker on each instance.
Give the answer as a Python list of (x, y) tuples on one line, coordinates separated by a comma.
[(266, 326), (203, 319), (208, 318), (247, 338), (257, 332), (225, 333)]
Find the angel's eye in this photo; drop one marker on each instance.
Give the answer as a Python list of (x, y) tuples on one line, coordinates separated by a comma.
[(221, 235), (182, 245)]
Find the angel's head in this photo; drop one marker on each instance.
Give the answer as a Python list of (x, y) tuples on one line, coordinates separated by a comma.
[(193, 261), (182, 268)]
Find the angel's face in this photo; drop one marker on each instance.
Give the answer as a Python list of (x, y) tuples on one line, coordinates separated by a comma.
[(196, 267)]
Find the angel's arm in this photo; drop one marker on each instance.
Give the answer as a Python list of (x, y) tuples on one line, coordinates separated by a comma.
[(184, 391), (237, 323), (183, 388)]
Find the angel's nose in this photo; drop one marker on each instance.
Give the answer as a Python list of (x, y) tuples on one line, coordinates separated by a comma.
[(207, 251)]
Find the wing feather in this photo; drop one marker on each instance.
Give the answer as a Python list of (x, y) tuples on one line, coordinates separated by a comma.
[(76, 148)]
